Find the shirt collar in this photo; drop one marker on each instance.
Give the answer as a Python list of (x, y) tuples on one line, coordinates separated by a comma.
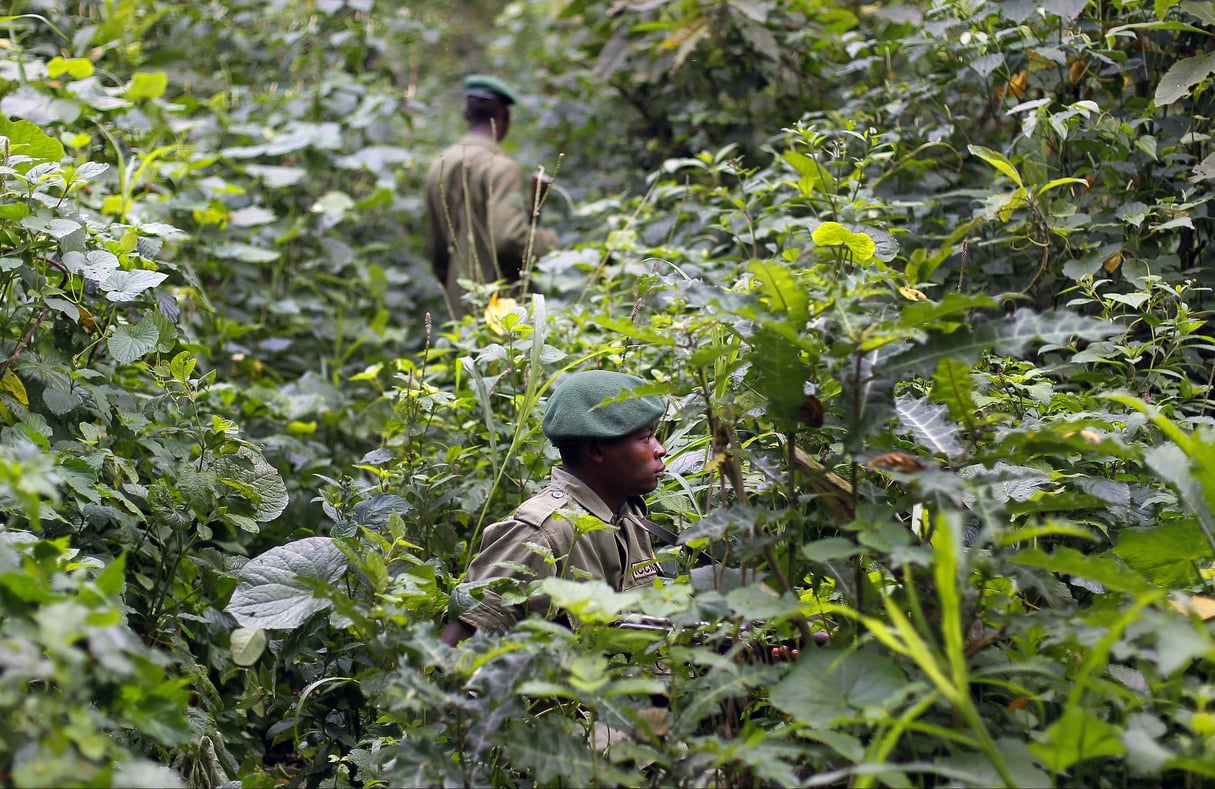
[(479, 141), (582, 494)]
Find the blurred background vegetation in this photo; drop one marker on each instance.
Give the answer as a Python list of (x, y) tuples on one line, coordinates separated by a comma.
[(927, 285)]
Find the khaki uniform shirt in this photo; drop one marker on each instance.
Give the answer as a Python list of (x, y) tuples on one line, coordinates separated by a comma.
[(479, 225), (622, 556)]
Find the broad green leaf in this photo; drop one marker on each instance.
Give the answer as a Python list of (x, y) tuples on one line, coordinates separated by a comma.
[(1205, 11), (1169, 555), (778, 373), (756, 601), (862, 247), (953, 386), (247, 645), (1173, 465), (26, 139), (782, 290), (96, 264), (250, 469), (1178, 641), (129, 343), (60, 402), (949, 313), (998, 161), (1076, 736), (930, 426), (589, 601), (1183, 75), (272, 592), (1053, 327), (26, 588), (827, 687), (831, 234), (1069, 561), (76, 68), (126, 285), (147, 85), (830, 549)]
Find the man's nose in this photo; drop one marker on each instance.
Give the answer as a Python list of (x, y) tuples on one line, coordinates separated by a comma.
[(659, 449)]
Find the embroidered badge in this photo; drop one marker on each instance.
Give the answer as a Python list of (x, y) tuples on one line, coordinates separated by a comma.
[(644, 569)]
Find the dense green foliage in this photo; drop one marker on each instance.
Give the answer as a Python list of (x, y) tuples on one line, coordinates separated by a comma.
[(926, 285)]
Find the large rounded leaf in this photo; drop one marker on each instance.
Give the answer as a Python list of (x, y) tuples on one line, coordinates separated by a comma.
[(251, 474), (275, 589)]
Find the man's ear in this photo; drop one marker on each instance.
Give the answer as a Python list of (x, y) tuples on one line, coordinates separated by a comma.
[(593, 452)]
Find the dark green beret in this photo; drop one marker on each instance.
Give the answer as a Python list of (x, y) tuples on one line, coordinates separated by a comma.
[(486, 87), (576, 410)]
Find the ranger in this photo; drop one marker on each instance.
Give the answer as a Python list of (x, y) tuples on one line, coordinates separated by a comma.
[(479, 226), (610, 458)]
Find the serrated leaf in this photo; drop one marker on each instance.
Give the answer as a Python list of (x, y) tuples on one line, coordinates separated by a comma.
[(272, 592), (375, 511), (778, 373), (248, 469), (126, 285), (930, 426), (129, 343)]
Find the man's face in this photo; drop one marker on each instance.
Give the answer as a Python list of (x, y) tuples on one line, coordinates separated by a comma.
[(634, 462)]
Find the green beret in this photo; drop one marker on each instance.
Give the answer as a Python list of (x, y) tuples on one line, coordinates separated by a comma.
[(486, 87), (576, 410)]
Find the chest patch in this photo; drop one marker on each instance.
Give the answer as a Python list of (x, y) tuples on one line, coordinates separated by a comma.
[(644, 570)]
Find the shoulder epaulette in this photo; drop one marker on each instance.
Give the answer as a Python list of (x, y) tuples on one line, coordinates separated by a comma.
[(536, 510)]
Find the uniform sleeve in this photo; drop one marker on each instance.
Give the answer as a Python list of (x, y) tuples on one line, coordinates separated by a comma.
[(510, 219), (506, 542)]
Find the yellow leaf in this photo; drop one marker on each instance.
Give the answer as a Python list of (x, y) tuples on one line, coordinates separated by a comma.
[(1203, 606), (911, 294), (717, 462), (10, 383), (298, 428), (496, 312), (1112, 262)]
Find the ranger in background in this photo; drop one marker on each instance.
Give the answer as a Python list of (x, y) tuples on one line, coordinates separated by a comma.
[(479, 226)]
